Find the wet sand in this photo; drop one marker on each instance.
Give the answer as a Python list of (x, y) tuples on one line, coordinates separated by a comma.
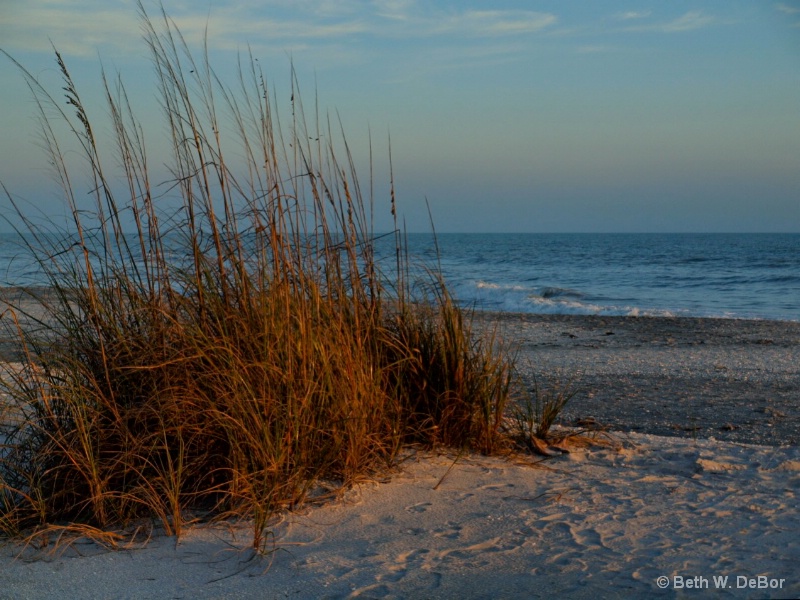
[(732, 380)]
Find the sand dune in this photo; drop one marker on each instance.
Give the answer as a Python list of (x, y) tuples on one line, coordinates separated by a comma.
[(599, 522)]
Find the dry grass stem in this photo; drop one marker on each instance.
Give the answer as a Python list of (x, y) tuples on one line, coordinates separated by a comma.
[(214, 345)]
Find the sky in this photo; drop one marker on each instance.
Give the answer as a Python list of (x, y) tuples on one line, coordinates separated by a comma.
[(523, 116)]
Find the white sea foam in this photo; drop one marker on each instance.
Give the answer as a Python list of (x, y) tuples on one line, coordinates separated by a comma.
[(493, 296)]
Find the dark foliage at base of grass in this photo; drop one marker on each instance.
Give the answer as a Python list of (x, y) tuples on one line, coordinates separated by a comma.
[(275, 356)]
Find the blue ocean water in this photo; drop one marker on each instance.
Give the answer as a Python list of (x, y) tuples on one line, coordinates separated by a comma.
[(754, 276)]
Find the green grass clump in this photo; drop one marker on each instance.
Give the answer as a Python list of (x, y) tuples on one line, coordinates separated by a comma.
[(532, 418), (225, 385)]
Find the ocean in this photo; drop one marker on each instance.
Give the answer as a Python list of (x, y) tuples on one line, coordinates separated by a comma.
[(751, 276)]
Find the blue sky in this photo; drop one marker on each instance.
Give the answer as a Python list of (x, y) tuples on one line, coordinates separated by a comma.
[(556, 116)]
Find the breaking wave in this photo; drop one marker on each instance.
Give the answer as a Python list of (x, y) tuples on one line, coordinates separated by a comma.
[(490, 296)]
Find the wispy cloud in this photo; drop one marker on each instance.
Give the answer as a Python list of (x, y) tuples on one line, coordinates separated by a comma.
[(690, 21), (325, 32), (427, 20), (633, 15), (409, 18), (787, 9), (84, 27), (493, 22), (400, 10), (80, 26), (792, 11)]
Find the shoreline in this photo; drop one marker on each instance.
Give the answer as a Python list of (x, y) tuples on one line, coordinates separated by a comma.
[(735, 380)]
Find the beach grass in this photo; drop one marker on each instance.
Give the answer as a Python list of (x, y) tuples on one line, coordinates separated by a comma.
[(532, 416), (276, 354)]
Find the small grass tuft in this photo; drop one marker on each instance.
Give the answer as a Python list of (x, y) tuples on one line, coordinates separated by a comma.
[(533, 416)]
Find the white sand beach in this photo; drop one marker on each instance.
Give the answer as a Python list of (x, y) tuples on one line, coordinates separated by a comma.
[(603, 521), (599, 522)]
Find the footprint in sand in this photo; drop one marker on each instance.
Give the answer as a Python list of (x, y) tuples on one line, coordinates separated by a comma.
[(419, 508), (425, 582), (476, 554), (405, 562), (450, 531)]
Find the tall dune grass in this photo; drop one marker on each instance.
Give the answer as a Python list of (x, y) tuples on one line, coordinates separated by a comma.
[(276, 355)]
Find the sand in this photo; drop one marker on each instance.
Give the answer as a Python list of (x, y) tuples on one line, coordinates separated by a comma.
[(733, 380), (603, 521), (597, 523)]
